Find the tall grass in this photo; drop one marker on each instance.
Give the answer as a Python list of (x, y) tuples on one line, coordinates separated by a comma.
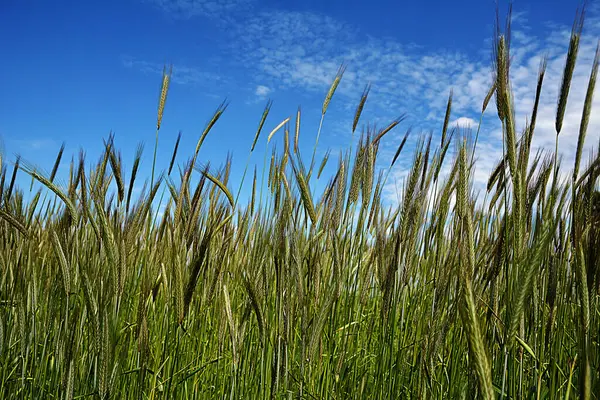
[(308, 294)]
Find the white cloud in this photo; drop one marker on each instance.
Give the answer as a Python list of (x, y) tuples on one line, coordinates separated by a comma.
[(464, 122), (262, 91)]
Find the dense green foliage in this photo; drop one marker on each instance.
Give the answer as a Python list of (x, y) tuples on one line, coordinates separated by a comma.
[(297, 294)]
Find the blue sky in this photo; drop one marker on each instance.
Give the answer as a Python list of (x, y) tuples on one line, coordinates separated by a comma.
[(75, 70)]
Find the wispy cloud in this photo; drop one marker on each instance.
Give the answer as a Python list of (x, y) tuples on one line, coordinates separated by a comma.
[(182, 74), (219, 9), (262, 91)]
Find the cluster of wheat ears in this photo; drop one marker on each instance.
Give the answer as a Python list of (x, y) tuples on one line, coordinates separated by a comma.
[(294, 294)]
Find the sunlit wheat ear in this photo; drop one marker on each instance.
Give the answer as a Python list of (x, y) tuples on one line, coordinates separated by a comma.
[(587, 110), (286, 186), (568, 70), (332, 88), (447, 118), (263, 118), (278, 127), (297, 131), (174, 153), (57, 162), (361, 105), (286, 141), (164, 89)]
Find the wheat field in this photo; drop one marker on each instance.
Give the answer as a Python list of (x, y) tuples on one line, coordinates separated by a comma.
[(298, 294)]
